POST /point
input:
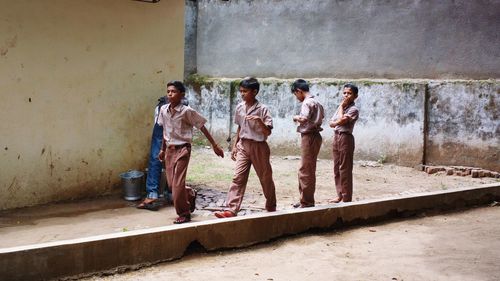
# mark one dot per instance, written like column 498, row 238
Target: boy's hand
column 219, row 151
column 300, row 119
column 253, row 117
column 346, row 101
column 333, row 124
column 233, row 154
column 161, row 156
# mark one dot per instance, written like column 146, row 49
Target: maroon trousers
column 310, row 145
column 256, row 154
column 343, row 151
column 176, row 165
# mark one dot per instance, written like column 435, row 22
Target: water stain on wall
column 9, row 43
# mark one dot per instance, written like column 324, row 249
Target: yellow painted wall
column 79, row 81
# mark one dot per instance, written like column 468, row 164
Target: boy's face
column 299, row 94
column 349, row 96
column 174, row 95
column 248, row 95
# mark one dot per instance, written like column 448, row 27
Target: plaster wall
column 393, row 39
column 464, row 124
column 79, row 82
column 459, row 127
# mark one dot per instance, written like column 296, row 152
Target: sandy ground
column 212, row 177
column 371, row 180
column 452, row 246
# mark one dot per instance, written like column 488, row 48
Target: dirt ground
column 451, row 246
column 371, row 179
column 211, row 176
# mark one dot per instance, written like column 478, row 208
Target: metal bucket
column 133, row 184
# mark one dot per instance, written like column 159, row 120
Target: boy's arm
column 215, row 147
column 304, row 115
column 235, row 148
column 161, row 155
column 265, row 129
column 344, row 118
column 300, row 119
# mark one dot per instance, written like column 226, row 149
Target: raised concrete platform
column 144, row 247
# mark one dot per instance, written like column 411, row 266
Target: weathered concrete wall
column 79, row 82
column 392, row 119
column 464, row 124
column 349, row 39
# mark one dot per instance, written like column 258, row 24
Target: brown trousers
column 176, row 165
column 310, row 145
column 256, row 154
column 343, row 151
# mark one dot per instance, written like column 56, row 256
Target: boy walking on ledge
column 310, row 120
column 178, row 121
column 250, row 148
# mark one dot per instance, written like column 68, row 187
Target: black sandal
column 153, row 206
column 143, row 204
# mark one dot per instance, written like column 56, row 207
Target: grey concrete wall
column 349, row 39
column 461, row 120
column 190, row 25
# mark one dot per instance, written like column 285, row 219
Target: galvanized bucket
column 133, row 184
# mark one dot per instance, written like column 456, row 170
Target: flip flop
column 143, row 204
column 153, row 206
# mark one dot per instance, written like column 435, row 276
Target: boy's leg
column 154, row 166
column 259, row 155
column 346, row 165
column 336, row 165
column 310, row 145
column 177, row 164
column 240, row 179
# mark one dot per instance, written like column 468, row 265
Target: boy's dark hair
column 250, row 83
column 353, row 88
column 300, row 84
column 178, row 85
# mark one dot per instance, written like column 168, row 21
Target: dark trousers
column 343, row 151
column 310, row 145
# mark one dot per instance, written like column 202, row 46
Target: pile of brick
column 461, row 171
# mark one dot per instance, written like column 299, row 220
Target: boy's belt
column 342, row 133
column 251, row 140
column 179, row 146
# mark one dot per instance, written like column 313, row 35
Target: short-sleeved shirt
column 249, row 129
column 313, row 111
column 178, row 123
column 353, row 113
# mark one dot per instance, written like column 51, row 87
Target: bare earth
column 211, row 176
column 453, row 246
column 371, row 180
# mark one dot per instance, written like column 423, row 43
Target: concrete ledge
column 144, row 247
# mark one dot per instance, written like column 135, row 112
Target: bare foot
column 336, row 200
column 146, row 201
